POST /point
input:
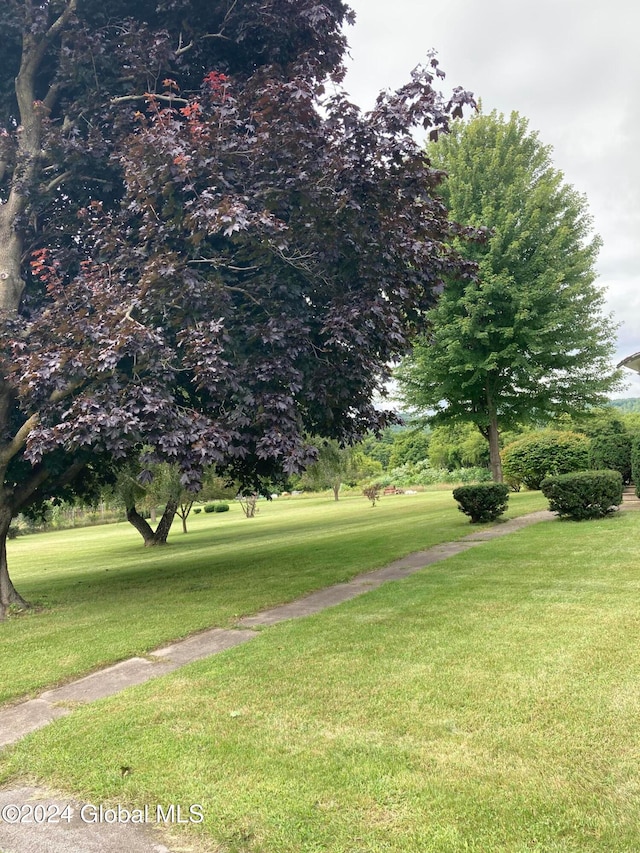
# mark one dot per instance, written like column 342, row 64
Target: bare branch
column 215, row 36
column 219, row 265
column 183, row 48
column 55, row 182
column 61, row 22
column 219, row 35
column 165, row 99
column 131, row 319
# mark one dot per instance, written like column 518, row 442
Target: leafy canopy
column 527, row 337
column 210, row 264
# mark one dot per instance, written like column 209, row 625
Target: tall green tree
column 526, row 338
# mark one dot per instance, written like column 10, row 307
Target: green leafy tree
column 410, row 445
column 163, row 487
column 526, row 338
column 612, row 451
column 456, row 446
column 596, row 422
column 336, row 465
column 380, row 447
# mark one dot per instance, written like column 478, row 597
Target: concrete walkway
column 16, row 721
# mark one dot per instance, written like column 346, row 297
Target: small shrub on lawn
column 197, row 509
column 540, row 454
column 372, row 492
column 483, row 501
column 210, row 508
column 222, row 508
column 583, row 494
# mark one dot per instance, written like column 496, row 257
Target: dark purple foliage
column 218, row 259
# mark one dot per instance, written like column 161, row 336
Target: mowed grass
column 489, row 703
column 103, row 597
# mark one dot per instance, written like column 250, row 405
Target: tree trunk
column 183, row 511
column 494, row 449
column 492, row 435
column 336, row 490
column 151, row 537
column 9, row 596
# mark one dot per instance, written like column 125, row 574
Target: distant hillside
column 627, row 404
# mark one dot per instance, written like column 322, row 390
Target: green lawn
column 489, row 703
column 105, row 598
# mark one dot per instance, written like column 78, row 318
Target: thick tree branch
column 24, row 495
column 55, row 182
column 18, row 441
column 61, row 393
column 28, row 487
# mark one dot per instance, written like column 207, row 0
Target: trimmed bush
column 635, row 463
column 222, row 508
column 197, row 509
column 540, row 454
column 483, row 501
column 210, row 508
column 583, row 494
column 612, row 452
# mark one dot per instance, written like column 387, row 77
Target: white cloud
column 571, row 67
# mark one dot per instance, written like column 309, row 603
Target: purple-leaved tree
column 195, row 258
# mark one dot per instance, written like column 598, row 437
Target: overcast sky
column 572, row 67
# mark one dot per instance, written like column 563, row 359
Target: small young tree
column 248, row 503
column 336, row 465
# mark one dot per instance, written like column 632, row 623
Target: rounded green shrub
column 210, row 508
column 482, row 501
column 583, row 494
column 533, row 457
column 223, row 507
column 197, row 509
column 611, row 451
